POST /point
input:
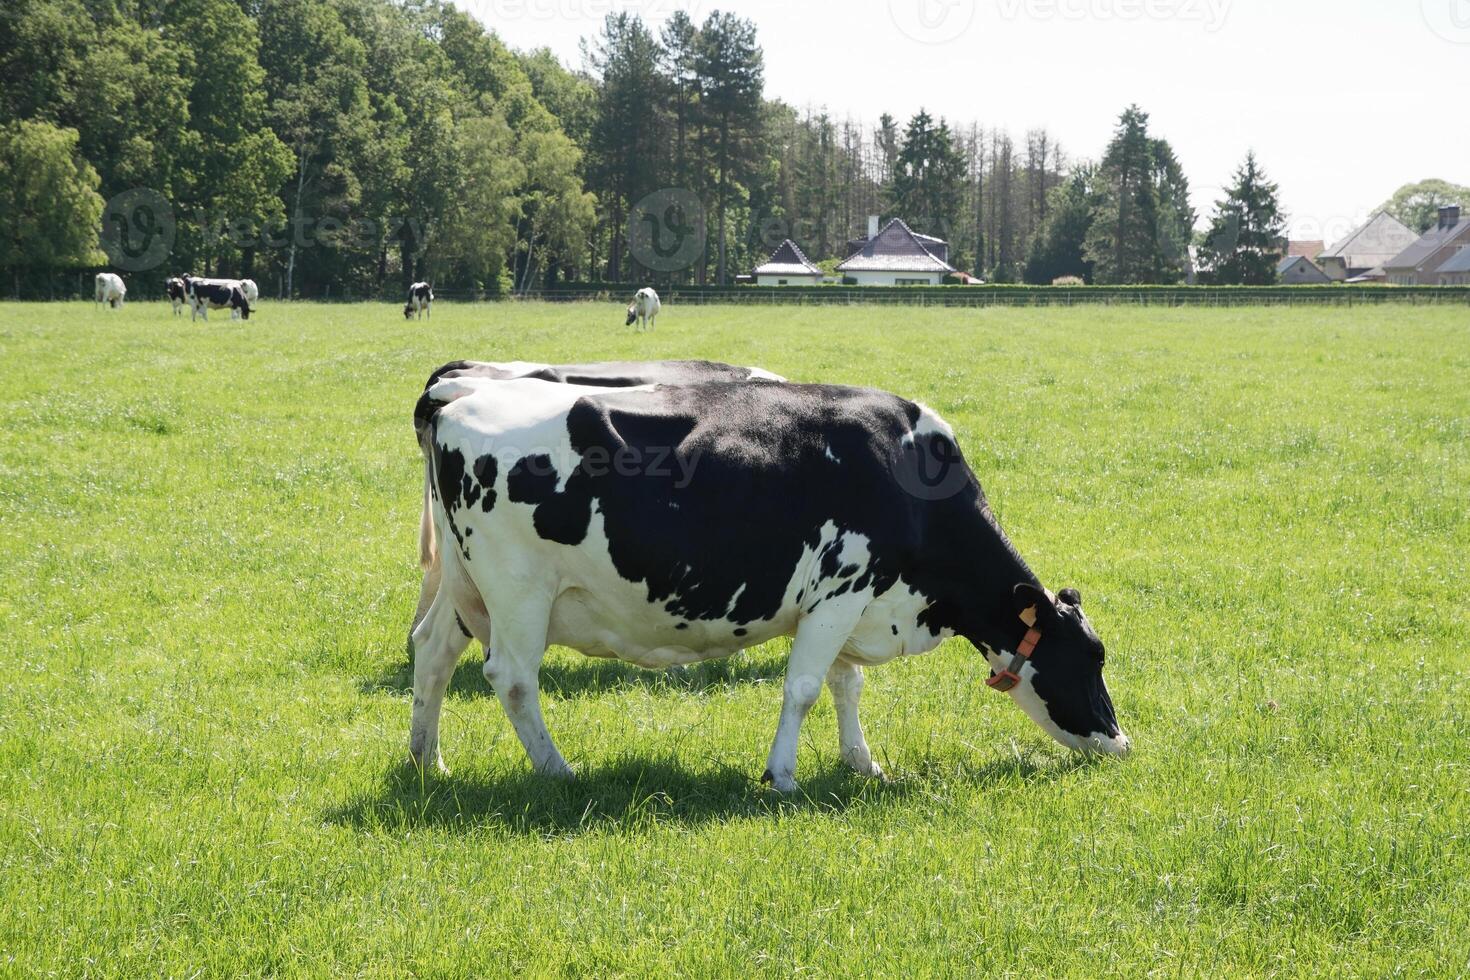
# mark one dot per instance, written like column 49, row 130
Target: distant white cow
column 420, row 300
column 644, row 308
column 252, row 294
column 110, row 290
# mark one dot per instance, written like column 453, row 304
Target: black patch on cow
column 561, row 517
column 485, row 470
column 741, row 631
column 450, row 481
column 894, row 627
column 532, row 480
column 463, row 628
column 682, row 626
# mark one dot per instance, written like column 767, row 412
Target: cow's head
column 408, row 311
column 632, row 313
column 1058, row 681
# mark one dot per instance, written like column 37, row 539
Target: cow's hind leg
column 845, row 680
column 819, row 638
column 513, row 668
column 438, row 643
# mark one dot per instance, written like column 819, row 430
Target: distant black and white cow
column 215, row 294
column 673, row 524
column 605, row 374
column 420, row 300
column 110, row 289
column 175, row 288
column 644, row 308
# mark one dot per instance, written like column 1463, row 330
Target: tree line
column 348, row 147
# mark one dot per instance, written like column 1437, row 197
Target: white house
column 787, row 266
column 1366, row 248
column 896, row 256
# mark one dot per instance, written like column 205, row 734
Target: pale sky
column 1343, row 100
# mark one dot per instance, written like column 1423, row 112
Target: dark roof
column 895, row 249
column 788, row 260
column 1432, row 241
column 1459, row 262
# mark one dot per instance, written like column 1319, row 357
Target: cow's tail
column 427, row 545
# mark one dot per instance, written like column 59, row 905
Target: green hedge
column 1009, row 295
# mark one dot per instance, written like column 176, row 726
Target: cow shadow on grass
column 566, row 674
column 639, row 794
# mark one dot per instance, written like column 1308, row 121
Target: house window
column 781, row 282
column 911, row 282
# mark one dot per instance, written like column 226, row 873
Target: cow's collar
column 1006, row 679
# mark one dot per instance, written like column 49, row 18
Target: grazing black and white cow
column 215, row 294
column 644, row 308
column 672, row 524
column 605, row 374
column 420, row 300
column 110, row 289
column 175, row 288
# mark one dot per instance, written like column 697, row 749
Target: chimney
column 1449, row 216
column 873, row 226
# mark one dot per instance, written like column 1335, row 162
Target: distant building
column 787, row 266
column 1456, row 272
column 1368, row 247
column 1298, row 270
column 896, row 256
column 1419, row 264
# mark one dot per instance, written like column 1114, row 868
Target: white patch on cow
column 827, row 449
column 760, row 374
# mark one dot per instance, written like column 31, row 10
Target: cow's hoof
column 563, row 772
column 427, row 765
column 781, row 784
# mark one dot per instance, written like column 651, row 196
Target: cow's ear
column 1028, row 596
column 1070, row 597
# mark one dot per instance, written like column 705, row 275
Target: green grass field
column 208, row 562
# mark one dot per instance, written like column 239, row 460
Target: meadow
column 208, row 564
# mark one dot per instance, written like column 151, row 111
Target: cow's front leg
column 513, row 669
column 437, row 645
column 846, row 683
column 819, row 638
